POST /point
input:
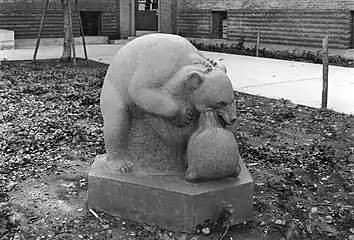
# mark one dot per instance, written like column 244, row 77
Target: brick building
column 282, row 23
column 292, row 22
column 113, row 18
column 24, row 16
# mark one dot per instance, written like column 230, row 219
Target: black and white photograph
column 177, row 119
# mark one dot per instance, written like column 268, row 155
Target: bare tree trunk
column 40, row 30
column 67, row 31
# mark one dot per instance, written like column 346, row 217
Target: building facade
column 287, row 23
column 117, row 19
column 295, row 22
column 24, row 17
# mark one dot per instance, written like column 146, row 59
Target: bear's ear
column 194, row 80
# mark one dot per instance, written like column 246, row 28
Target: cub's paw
column 191, row 176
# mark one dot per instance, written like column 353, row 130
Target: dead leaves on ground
column 305, row 157
column 300, row 157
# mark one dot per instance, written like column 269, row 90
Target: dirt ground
column 301, row 159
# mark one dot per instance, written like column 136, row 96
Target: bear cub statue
column 212, row 151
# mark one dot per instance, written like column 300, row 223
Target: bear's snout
column 227, row 114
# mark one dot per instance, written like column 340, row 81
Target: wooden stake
column 72, row 32
column 81, row 28
column 40, row 30
column 258, row 42
column 325, row 72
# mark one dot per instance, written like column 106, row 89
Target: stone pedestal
column 166, row 199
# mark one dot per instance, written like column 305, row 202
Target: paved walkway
column 299, row 82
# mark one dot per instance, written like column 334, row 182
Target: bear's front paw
column 188, row 115
column 127, row 167
column 217, row 64
column 212, row 62
column 184, row 116
column 120, row 166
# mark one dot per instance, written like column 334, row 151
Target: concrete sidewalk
column 299, row 82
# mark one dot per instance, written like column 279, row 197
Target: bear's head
column 213, row 89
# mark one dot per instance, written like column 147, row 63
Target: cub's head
column 213, row 89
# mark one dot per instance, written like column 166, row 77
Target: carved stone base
column 167, row 200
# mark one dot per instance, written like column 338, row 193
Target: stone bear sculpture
column 165, row 76
column 212, row 151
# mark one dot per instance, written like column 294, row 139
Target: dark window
column 151, row 5
column 219, row 27
column 147, row 5
column 91, row 23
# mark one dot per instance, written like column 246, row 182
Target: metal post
column 325, row 72
column 81, row 28
column 258, row 42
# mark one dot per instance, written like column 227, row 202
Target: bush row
column 305, row 56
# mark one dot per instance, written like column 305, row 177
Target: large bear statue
column 163, row 80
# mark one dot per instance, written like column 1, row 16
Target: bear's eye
column 222, row 103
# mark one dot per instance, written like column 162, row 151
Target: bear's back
column 153, row 57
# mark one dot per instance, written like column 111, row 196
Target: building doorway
column 91, row 22
column 146, row 17
column 219, row 26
